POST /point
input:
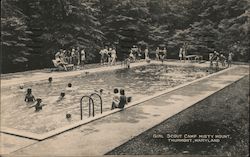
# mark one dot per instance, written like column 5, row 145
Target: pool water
column 137, row 82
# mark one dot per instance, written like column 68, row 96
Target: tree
column 124, row 23
column 14, row 38
column 33, row 31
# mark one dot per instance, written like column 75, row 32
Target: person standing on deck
column 83, row 57
column 180, row 53
column 230, row 59
column 69, row 58
column 78, row 56
column 102, row 53
column 157, row 51
column 139, row 54
column 184, row 51
column 165, row 52
column 113, row 56
column 132, row 56
column 106, row 54
column 161, row 55
column 109, row 56
column 134, row 50
column 73, row 56
column 211, row 55
column 217, row 58
column 222, row 60
column 146, row 54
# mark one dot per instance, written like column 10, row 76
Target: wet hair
column 21, row 86
column 50, row 79
column 101, row 90
column 39, row 100
column 62, row 94
column 116, row 90
column 122, row 91
column 69, row 85
column 29, row 91
column 68, row 116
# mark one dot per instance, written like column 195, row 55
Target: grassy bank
column 223, row 113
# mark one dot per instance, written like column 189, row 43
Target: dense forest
column 33, row 30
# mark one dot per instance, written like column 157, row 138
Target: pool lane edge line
column 40, row 137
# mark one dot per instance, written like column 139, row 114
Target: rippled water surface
column 138, row 82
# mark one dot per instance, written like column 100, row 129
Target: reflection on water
column 137, row 82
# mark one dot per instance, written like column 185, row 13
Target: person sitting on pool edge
column 115, row 100
column 29, row 97
column 123, row 99
column 38, row 106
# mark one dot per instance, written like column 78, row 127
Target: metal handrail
column 90, row 101
column 99, row 97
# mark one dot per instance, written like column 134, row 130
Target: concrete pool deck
column 105, row 134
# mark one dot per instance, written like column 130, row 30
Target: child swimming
column 21, row 88
column 61, row 97
column 29, row 97
column 38, row 106
column 50, row 79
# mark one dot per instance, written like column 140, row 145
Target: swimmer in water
column 100, row 91
column 39, row 105
column 70, row 88
column 61, row 97
column 29, row 97
column 21, row 88
column 50, row 79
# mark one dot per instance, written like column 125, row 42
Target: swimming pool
column 138, row 82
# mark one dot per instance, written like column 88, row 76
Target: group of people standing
column 137, row 53
column 220, row 57
column 108, row 55
column 75, row 56
column 160, row 53
column 183, row 52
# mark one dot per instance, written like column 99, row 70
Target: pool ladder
column 91, row 102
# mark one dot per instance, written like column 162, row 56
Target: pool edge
column 40, row 137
